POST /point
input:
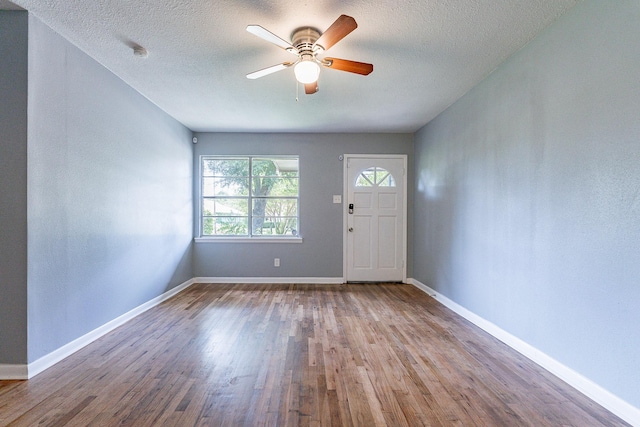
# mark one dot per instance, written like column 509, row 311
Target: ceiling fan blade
column 349, row 66
column 269, row 70
column 267, row 35
column 336, row 32
column 311, row 88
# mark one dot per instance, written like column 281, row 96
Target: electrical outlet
column 276, row 262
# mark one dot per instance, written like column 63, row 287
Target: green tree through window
column 249, row 196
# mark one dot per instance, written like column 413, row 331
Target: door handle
column 350, row 229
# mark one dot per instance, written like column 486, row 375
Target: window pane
column 370, row 174
column 262, row 186
column 375, row 177
column 208, row 226
column 225, row 226
column 226, row 167
column 230, row 186
column 208, row 187
column 263, row 167
column 275, row 226
column 275, row 187
column 227, row 207
column 387, row 181
column 276, row 207
column 363, row 181
column 275, row 216
column 275, row 166
column 275, row 177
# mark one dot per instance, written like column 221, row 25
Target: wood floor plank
column 297, row 355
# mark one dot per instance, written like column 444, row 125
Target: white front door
column 375, row 218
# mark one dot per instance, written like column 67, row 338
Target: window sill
column 248, row 239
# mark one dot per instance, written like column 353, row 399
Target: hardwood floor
column 289, row 355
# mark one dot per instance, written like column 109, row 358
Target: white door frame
column 345, row 208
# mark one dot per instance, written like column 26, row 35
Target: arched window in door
column 375, row 177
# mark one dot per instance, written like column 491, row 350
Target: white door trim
column 345, row 206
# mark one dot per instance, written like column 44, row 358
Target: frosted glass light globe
column 307, row 71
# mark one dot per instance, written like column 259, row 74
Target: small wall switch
column 337, row 198
column 276, row 262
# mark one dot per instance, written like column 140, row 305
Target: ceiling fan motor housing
column 303, row 39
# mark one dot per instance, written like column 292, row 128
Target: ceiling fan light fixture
column 307, row 71
column 307, row 43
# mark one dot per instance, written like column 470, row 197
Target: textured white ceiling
column 7, row 5
column 426, row 54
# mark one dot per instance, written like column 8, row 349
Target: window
column 375, row 177
column 249, row 196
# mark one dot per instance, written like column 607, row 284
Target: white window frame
column 245, row 238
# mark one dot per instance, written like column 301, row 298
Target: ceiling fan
column 307, row 43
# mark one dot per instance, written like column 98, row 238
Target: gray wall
column 527, row 201
column 320, row 255
column 13, row 187
column 109, row 195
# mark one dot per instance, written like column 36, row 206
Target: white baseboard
column 604, row 398
column 263, row 280
column 13, row 372
column 24, row 372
